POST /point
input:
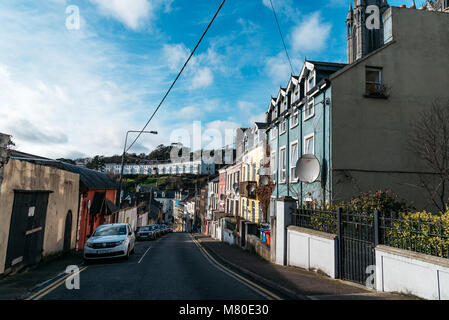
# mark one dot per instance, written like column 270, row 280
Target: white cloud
column 311, row 35
column 133, row 14
column 202, row 78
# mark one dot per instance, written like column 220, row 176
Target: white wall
column 311, row 250
column 413, row 273
column 128, row 213
column 228, row 237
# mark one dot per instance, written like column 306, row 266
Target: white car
column 110, row 241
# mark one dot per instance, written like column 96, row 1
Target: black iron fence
column 319, row 220
column 418, row 232
column 421, row 233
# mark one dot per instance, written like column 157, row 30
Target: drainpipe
column 324, row 147
column 287, row 155
column 301, row 121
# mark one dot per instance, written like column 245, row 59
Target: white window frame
column 282, row 170
column 306, row 107
column 311, row 76
column 283, row 124
column 308, row 137
column 274, row 133
column 294, row 124
column 273, row 165
column 293, row 163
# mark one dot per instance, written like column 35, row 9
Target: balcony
column 248, row 189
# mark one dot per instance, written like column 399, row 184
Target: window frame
column 293, row 165
column 308, row 137
column 282, row 179
column 283, row 124
column 306, row 107
column 295, row 114
column 380, row 74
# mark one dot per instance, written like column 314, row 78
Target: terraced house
column 299, row 120
column 252, row 160
column 356, row 118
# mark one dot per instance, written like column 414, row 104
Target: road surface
column 173, row 267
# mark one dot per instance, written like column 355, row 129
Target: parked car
column 110, row 241
column 156, row 230
column 164, row 229
column 145, row 233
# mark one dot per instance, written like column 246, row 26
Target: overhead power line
column 282, row 37
column 177, row 77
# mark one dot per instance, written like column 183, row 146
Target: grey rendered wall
column 370, row 136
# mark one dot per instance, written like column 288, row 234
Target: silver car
column 110, row 241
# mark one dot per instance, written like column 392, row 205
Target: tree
column 5, row 148
column 429, row 141
column 97, row 163
column 161, row 153
column 69, row 161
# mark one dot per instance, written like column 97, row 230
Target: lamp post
column 119, row 195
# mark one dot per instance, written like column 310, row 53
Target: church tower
column 363, row 39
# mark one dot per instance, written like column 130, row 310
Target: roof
column 261, row 125
column 91, row 179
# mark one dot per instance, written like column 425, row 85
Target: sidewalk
column 294, row 282
column 15, row 286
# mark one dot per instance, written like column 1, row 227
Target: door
column 68, row 231
column 27, row 228
column 356, row 240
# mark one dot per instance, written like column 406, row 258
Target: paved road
column 170, row 268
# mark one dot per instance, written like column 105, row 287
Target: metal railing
column 428, row 235
column 315, row 219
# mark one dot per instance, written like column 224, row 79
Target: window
column 283, row 128
column 294, row 120
column 282, row 165
column 309, row 144
column 254, row 172
column 373, row 81
column 311, row 82
column 293, row 160
column 273, row 133
column 273, row 166
column 309, row 110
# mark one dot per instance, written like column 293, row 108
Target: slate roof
column 91, row 179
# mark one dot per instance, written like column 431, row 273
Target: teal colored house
column 299, row 123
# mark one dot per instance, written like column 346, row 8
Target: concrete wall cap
column 321, row 234
column 443, row 262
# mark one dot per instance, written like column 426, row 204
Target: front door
column 27, row 228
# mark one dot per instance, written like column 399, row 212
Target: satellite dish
column 308, row 168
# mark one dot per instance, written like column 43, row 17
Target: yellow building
column 252, row 160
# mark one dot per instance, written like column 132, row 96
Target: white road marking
column 256, row 288
column 144, row 255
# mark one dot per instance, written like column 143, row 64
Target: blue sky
column 74, row 93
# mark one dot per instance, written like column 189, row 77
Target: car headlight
column 90, row 245
column 119, row 243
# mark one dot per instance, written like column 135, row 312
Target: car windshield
column 145, row 229
column 110, row 231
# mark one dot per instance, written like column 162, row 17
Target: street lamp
column 119, row 195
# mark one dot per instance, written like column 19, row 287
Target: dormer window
column 311, row 82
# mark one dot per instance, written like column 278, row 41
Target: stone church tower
column 361, row 39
